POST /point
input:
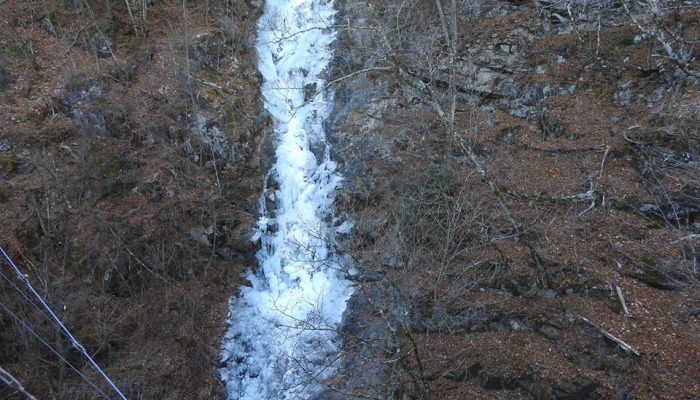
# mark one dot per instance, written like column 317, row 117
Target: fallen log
column 626, row 347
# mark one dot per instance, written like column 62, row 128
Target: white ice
column 281, row 342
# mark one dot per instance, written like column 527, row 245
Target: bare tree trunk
column 450, row 35
column 144, row 13
column 131, row 16
column 453, row 73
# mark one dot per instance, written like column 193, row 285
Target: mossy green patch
column 211, row 95
column 78, row 258
column 230, row 113
column 121, row 187
column 13, row 51
column 615, row 305
column 627, row 40
column 30, row 234
column 654, row 225
column 8, row 163
column 109, row 166
column 5, row 193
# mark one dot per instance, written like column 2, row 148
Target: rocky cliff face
column 571, row 110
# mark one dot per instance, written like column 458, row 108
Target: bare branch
column 13, row 383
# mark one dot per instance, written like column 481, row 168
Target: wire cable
column 31, row 330
column 60, row 325
column 26, row 298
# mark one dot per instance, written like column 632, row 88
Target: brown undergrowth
column 473, row 314
column 123, row 210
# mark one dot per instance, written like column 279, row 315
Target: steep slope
column 131, row 162
column 578, row 240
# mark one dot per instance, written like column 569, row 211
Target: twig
column 677, row 56
column 564, row 149
column 689, row 237
column 634, row 142
column 618, row 291
column 223, row 93
column 213, row 86
column 626, row 347
column 128, row 250
column 77, row 35
column 621, row 300
column 355, row 73
column 573, row 21
column 592, row 193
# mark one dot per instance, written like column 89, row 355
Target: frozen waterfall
column 281, row 342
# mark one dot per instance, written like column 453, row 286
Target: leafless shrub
column 667, row 23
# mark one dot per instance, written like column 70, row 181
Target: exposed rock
column 227, row 26
column 365, row 277
column 6, row 79
column 546, row 294
column 508, row 135
column 331, row 394
column 682, row 207
column 624, row 394
column 490, row 76
column 225, row 253
column 5, row 192
column 501, row 382
column 101, row 44
column 528, row 100
column 210, row 49
column 47, row 25
column 623, row 95
column 581, row 388
column 393, row 262
column 549, row 331
column 425, row 319
column 8, row 164
column 490, row 68
column 654, row 277
column 202, row 234
column 371, row 229
column 587, row 360
column 695, row 227
column 309, row 91
column 216, row 141
column 365, row 339
column 90, row 105
column 567, row 16
column 125, row 73
column 358, row 105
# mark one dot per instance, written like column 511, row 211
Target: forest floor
column 129, row 158
column 593, row 143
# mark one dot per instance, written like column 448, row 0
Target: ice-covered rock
column 281, row 342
